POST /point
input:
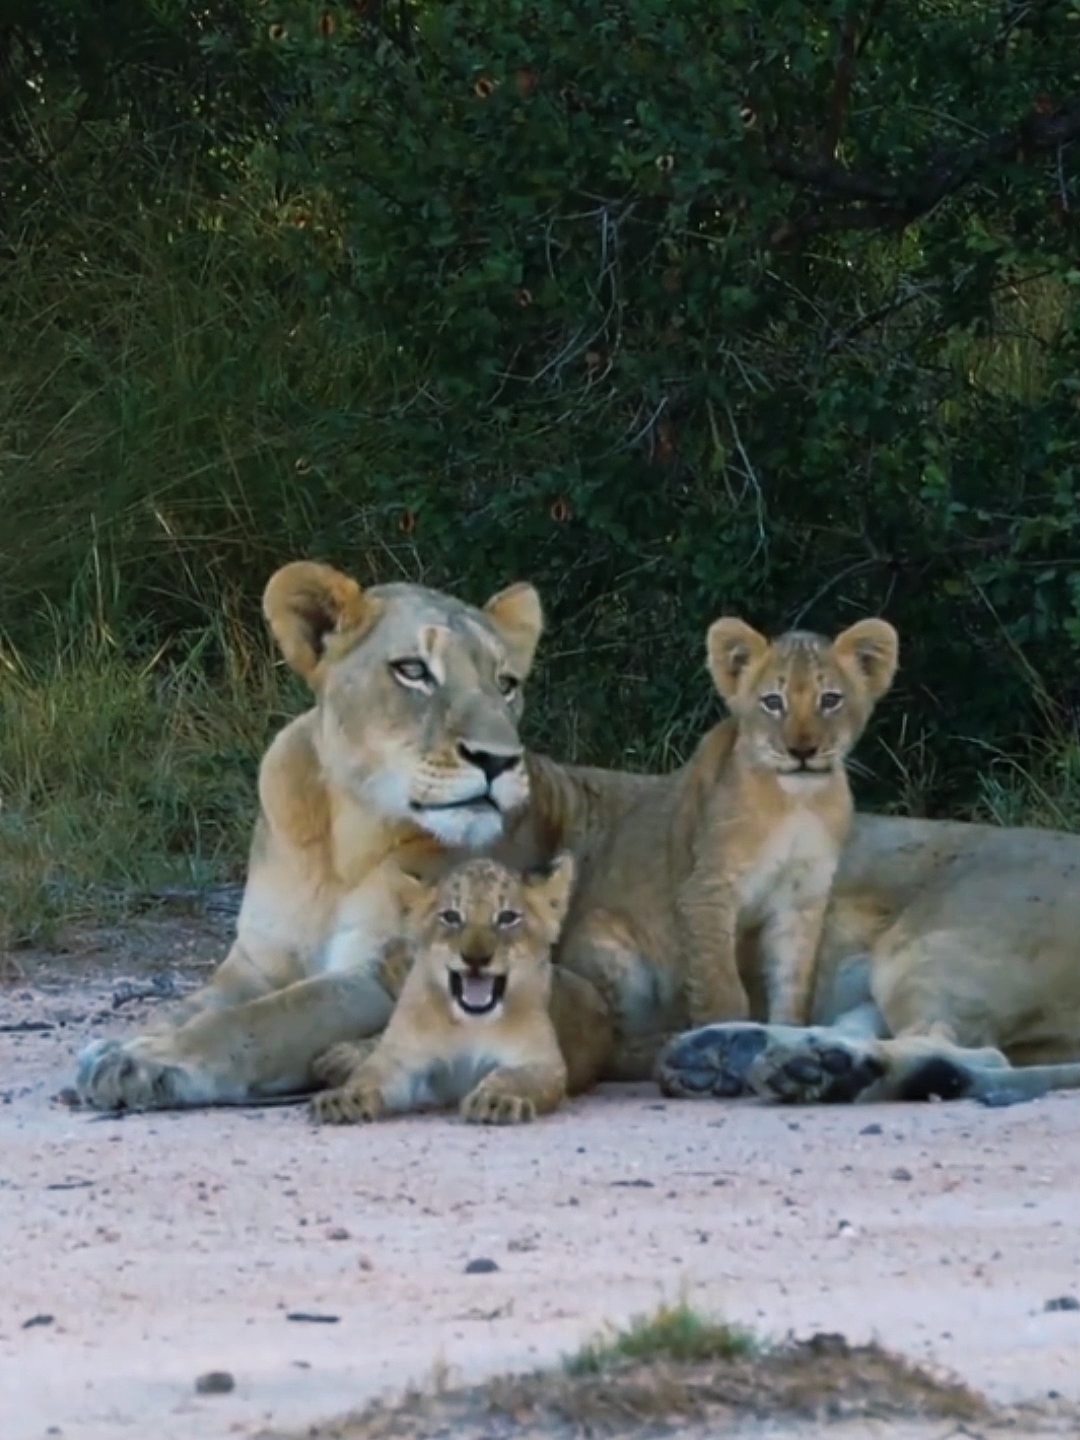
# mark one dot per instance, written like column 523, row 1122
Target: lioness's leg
column 222, row 1056
column 638, row 1006
column 583, row 1027
column 512, row 1095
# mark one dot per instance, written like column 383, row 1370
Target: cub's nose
column 493, row 765
column 803, row 752
column 477, row 960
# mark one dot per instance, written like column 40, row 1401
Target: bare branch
column 888, row 202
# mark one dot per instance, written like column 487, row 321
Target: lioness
column 410, row 760
column 776, row 820
column 476, row 1021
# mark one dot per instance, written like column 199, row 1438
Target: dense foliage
column 675, row 307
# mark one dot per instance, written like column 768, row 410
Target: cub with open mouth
column 482, row 1019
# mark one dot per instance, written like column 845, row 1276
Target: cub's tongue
column 477, row 990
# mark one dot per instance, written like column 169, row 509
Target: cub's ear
column 732, row 646
column 873, row 648
column 412, row 895
column 304, row 603
column 517, row 616
column 548, row 892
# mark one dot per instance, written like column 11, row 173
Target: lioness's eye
column 508, row 684
column 773, row 703
column 830, row 700
column 451, row 918
column 507, row 919
column 412, row 672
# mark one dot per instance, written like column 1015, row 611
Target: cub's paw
column 497, row 1107
column 712, row 1060
column 336, row 1066
column 352, row 1104
column 815, row 1067
column 136, row 1074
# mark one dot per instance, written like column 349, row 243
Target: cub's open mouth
column 477, row 994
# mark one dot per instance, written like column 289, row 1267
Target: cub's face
column 801, row 701
column 483, row 935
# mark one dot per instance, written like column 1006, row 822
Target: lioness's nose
column 486, row 760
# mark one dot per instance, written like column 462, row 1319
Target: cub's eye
column 508, row 685
column 452, row 919
column 830, row 701
column 773, row 703
column 411, row 672
column 507, row 919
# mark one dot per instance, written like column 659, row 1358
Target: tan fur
column 776, row 820
column 482, row 926
column 969, row 928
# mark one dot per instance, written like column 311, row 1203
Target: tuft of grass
column 121, row 773
column 1044, row 791
column 672, row 1332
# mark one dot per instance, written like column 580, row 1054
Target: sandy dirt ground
column 325, row 1268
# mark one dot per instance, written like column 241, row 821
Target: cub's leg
column 368, row 1092
column 336, row 1066
column 512, row 1095
column 225, row 1056
column 790, row 939
column 708, row 911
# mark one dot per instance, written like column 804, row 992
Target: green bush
column 675, row 308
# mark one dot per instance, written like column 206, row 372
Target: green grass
column 672, row 1332
column 119, row 775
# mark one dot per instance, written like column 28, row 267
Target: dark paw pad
column 712, row 1060
column 937, row 1078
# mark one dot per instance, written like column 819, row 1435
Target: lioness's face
column 801, row 701
column 483, row 936
column 418, row 696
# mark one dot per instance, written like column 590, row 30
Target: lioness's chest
column 366, row 920
column 793, row 864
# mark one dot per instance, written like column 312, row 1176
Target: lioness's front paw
column 497, row 1107
column 347, row 1105
column 136, row 1074
column 808, row 1067
column 336, row 1066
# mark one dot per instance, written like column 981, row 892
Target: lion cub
column 473, row 1023
column 780, row 812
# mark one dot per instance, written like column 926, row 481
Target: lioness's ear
column 516, row 614
column 732, row 645
column 873, row 646
column 548, row 891
column 304, row 602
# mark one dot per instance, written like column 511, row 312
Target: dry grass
column 675, row 1367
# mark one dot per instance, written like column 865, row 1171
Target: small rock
column 870, row 1130
column 338, row 1232
column 480, row 1266
column 900, row 1174
column 215, row 1382
column 1060, row 1302
column 37, row 1320
column 364, row 1262
column 634, row 1184
column 309, row 1317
